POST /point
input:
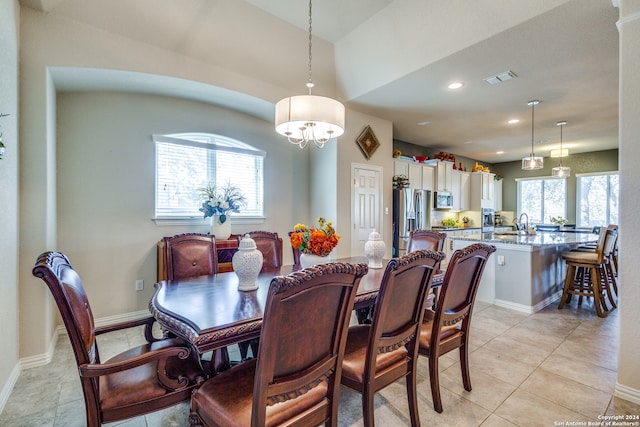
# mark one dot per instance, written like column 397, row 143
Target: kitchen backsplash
column 474, row 217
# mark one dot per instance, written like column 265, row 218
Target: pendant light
column 532, row 162
column 309, row 118
column 561, row 171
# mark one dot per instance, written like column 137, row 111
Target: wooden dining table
column 210, row 312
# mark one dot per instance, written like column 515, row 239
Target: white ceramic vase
column 374, row 249
column 309, row 260
column 221, row 230
column 247, row 263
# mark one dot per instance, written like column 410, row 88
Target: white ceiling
column 564, row 54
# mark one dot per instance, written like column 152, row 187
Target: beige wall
column 106, row 181
column 628, row 366
column 9, row 184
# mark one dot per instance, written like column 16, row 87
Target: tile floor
column 552, row 367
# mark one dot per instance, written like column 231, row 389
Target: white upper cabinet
column 401, row 167
column 482, row 191
column 427, row 178
column 443, row 175
column 498, row 195
column 460, row 190
column 415, row 175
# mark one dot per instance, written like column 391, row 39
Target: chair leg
column 568, row 283
column 412, row 395
column 435, row 382
column 464, row 366
column 598, row 302
column 367, row 406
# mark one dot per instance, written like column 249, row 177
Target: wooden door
column 367, row 205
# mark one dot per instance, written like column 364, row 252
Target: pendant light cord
column 310, row 81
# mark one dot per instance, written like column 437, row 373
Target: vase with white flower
column 218, row 203
column 315, row 243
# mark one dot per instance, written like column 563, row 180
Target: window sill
column 199, row 221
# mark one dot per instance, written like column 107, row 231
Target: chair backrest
column 68, row 292
column 399, row 307
column 606, row 243
column 426, row 240
column 303, row 334
column 460, row 286
column 269, row 244
column 296, row 253
column 545, row 227
column 190, row 255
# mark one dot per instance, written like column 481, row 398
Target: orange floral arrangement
column 315, row 240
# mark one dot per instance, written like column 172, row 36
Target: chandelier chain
column 310, row 82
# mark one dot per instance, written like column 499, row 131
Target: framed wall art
column 367, row 142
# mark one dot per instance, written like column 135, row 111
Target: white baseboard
column 529, row 309
column 627, row 393
column 8, row 386
column 43, row 359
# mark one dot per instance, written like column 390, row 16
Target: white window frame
column 215, row 143
column 539, row 178
column 579, row 194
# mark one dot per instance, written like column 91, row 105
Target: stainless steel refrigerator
column 411, row 211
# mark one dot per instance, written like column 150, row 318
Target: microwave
column 443, row 200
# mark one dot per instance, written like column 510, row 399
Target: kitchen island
column 526, row 273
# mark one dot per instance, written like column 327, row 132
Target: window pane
column 542, row 199
column 554, row 199
column 598, row 200
column 182, row 168
column 531, row 200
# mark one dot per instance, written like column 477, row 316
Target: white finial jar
column 247, row 263
column 374, row 249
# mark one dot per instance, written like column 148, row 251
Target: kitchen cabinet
column 401, row 167
column 482, row 191
column 443, row 175
column 415, row 175
column 498, row 195
column 420, row 175
column 461, row 189
column 427, row 178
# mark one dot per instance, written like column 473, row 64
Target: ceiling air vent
column 499, row 78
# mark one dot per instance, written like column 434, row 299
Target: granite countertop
column 539, row 239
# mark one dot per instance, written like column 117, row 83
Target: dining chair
column 427, row 240
column 296, row 253
column 296, row 377
column 270, row 245
column 381, row 353
column 143, row 379
column 190, row 255
column 447, row 328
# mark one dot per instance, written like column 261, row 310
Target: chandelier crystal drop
column 532, row 162
column 309, row 118
column 561, row 171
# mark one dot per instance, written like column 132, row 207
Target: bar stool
column 587, row 273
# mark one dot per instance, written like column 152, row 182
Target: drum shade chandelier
column 561, row 171
column 532, row 162
column 306, row 118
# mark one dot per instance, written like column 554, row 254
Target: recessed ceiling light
column 456, row 85
column 499, row 152
column 513, row 121
column 468, row 142
column 423, row 123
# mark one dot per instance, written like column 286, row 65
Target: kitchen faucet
column 526, row 223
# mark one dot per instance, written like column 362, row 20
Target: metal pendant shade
column 309, row 118
column 532, row 162
column 561, row 171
